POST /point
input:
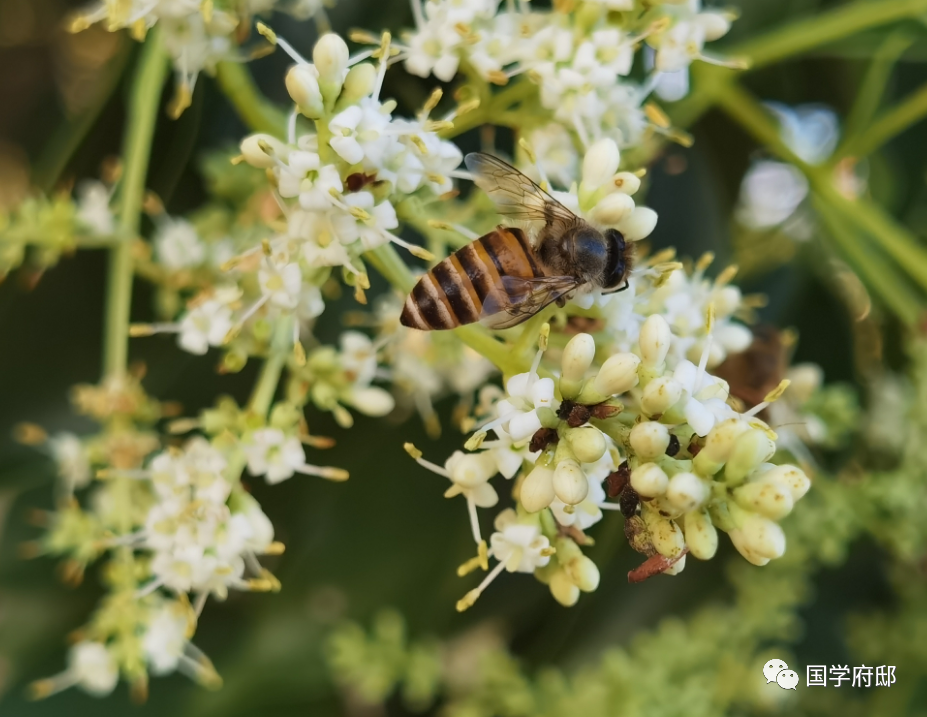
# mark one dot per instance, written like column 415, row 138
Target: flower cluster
column 660, row 433
column 581, row 60
column 196, row 34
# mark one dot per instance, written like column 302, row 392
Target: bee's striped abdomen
column 454, row 291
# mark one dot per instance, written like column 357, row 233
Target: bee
column 756, row 371
column 502, row 278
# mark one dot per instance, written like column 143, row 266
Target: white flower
column 72, row 460
column 358, row 357
column 165, row 638
column 771, row 193
column 526, row 393
column 357, row 133
column 520, row 546
column 705, row 397
column 93, row 209
column 281, row 282
column 372, row 225
column 470, row 474
column 271, row 454
column 177, row 245
column 206, row 324
column 92, row 667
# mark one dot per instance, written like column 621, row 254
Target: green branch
column 889, row 124
column 146, row 87
column 796, row 37
column 255, row 110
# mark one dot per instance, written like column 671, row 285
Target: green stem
column 800, row 36
column 892, row 122
column 255, row 111
column 266, row 387
column 491, row 110
column 896, row 241
column 146, row 87
column 892, row 289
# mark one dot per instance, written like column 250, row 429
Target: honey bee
column 502, row 278
column 753, row 373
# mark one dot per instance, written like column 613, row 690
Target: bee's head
column 619, row 259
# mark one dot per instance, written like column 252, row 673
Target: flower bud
column 701, row 535
column 750, row 450
column 612, row 209
column 358, row 83
column 302, row 82
column 727, row 300
column 737, row 538
column 254, row 149
column 372, row 401
column 583, row 573
column 588, row 443
column 714, row 24
column 718, row 445
column 660, row 394
column 686, row 491
column 666, row 536
column 638, row 224
column 806, row 378
column 732, row 338
column 626, row 183
column 330, row 55
column 676, row 567
column 771, row 499
column 537, row 490
column 791, row 477
column 617, row 375
column 649, row 480
column 570, row 484
column 523, row 425
column 577, row 358
column 649, row 439
column 655, row 340
column 600, row 163
column 762, row 536
column 563, row 589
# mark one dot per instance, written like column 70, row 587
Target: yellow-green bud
column 583, row 573
column 686, row 492
column 649, row 480
column 762, row 536
column 588, row 443
column 649, row 439
column 358, row 83
column 718, row 445
column 537, row 490
column 701, row 535
column 612, row 209
column 666, row 536
column 563, row 589
column 626, row 182
column 302, row 82
column 660, row 394
column 577, row 358
column 617, row 375
column 331, row 56
column 769, row 498
column 750, row 450
column 638, row 224
column 655, row 339
column 254, row 148
column 791, row 477
column 570, row 483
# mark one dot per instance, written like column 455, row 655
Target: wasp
column 503, row 278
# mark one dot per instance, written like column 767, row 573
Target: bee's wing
column 520, row 298
column 517, row 196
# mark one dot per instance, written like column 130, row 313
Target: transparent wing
column 515, row 195
column 521, row 298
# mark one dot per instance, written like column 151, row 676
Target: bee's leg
column 561, row 302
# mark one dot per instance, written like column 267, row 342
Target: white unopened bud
column 701, row 535
column 639, row 224
column 739, row 541
column 583, row 573
column 537, row 490
column 617, row 375
column 791, row 477
column 718, row 445
column 626, row 183
column 655, row 339
column 806, row 378
column 359, row 83
column 762, row 536
column 733, row 338
column 676, row 567
column 649, row 439
column 577, row 358
column 649, row 480
column 588, row 444
column 263, row 151
column 563, row 589
column 714, row 24
column 570, row 483
column 600, row 163
column 373, row 401
column 660, row 394
column 750, row 450
column 686, row 491
column 665, row 535
column 302, row 82
column 612, row 209
column 331, row 57
column 771, row 499
column 727, row 300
